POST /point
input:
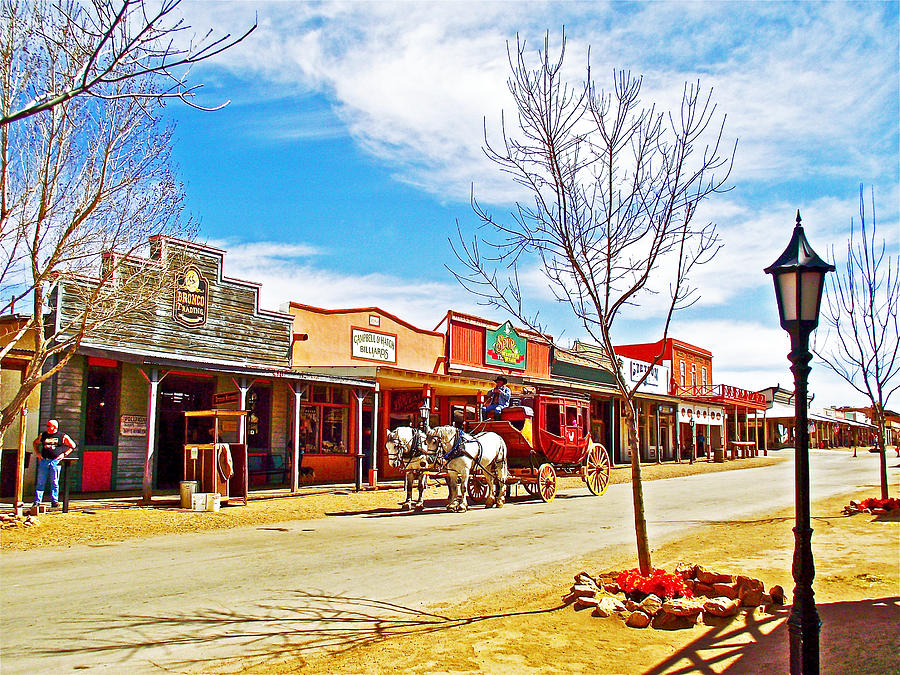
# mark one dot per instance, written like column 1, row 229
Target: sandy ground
column 105, row 520
column 527, row 629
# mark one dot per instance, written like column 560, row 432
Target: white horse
column 461, row 452
column 406, row 451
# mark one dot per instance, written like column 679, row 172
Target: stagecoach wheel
column 547, row 482
column 478, row 489
column 596, row 470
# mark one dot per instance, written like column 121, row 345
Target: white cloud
column 807, row 88
column 287, row 275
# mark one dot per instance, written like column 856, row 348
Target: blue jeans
column 491, row 411
column 47, row 467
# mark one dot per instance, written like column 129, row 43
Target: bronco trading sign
column 504, row 347
column 191, row 297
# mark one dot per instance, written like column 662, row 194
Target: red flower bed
column 660, row 583
column 888, row 504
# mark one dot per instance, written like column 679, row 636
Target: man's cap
column 502, row 379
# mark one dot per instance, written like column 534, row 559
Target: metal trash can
column 719, row 454
column 188, row 488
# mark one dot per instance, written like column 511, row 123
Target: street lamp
column 799, row 276
column 424, row 414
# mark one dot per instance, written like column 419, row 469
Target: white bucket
column 213, row 501
column 199, row 501
column 188, row 488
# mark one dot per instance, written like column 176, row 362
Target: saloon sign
column 191, row 297
column 504, row 347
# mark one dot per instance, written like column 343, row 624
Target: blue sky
column 338, row 172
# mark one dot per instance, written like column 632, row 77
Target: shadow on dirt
column 204, row 639
column 761, row 644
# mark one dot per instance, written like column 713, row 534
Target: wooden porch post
column 373, row 462
column 244, row 387
column 359, row 394
column 153, row 381
column 295, row 440
column 678, row 433
column 20, row 460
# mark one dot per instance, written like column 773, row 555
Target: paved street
column 169, row 603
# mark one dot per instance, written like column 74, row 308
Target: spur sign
column 504, row 347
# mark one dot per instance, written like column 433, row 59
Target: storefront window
column 101, row 409
column 309, row 428
column 325, row 426
column 334, row 429
column 259, row 413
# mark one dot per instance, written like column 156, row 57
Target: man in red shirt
column 50, row 447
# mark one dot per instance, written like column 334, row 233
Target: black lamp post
column 799, row 281
column 424, row 414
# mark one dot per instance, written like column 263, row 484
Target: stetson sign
column 504, row 347
column 191, row 297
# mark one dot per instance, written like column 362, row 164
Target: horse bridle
column 413, row 449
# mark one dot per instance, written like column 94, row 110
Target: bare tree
column 84, row 183
column 615, row 187
column 96, row 46
column 861, row 302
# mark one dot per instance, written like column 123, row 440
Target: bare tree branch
column 614, row 188
column 107, row 42
column 861, row 343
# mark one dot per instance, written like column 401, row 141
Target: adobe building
column 202, row 343
column 407, row 367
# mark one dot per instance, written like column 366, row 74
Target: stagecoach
column 547, row 436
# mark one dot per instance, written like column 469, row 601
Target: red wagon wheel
column 546, row 482
column 478, row 488
column 596, row 469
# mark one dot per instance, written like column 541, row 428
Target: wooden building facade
column 202, row 343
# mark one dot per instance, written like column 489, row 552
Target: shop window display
column 325, row 422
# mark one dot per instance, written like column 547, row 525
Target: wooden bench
column 267, row 467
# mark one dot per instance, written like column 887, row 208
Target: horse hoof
column 499, row 504
column 463, row 508
column 404, row 507
column 489, row 502
column 419, row 507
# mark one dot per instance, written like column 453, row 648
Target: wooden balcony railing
column 721, row 393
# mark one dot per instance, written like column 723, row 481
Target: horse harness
column 459, row 450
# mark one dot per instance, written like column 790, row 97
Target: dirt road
column 188, row 602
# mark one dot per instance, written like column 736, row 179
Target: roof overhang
column 174, row 361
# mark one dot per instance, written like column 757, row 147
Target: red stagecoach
column 547, row 435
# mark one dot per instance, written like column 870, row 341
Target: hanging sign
column 226, row 398
column 191, row 296
column 504, row 347
column 133, row 425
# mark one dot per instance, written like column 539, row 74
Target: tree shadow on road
column 209, row 639
column 856, row 636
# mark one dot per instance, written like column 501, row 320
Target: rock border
column 716, row 595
